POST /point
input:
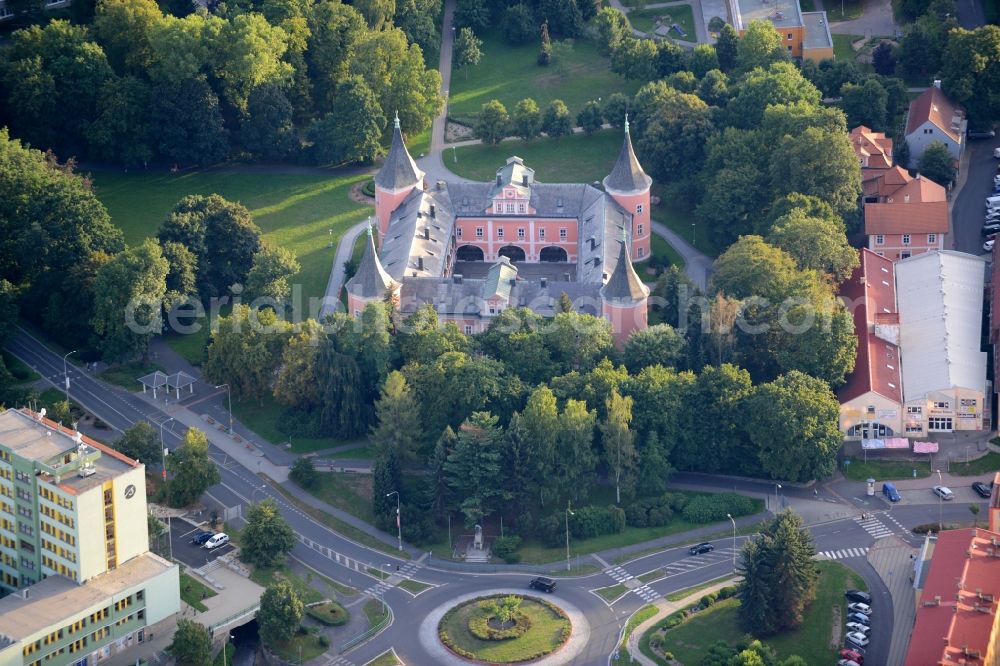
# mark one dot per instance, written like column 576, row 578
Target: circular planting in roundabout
column 504, row 629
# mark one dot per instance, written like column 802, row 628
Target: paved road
column 344, row 560
column 970, row 14
column 969, row 209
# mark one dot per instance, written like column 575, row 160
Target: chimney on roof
column 420, row 263
column 427, row 231
column 565, row 277
column 498, row 179
column 906, row 198
column 440, row 185
column 593, row 243
column 457, row 278
column 545, row 283
column 937, row 83
column 433, row 211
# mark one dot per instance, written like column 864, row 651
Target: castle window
column 520, row 233
column 932, row 238
column 479, row 232
column 641, row 252
column 638, row 209
column 521, row 209
column 562, row 234
column 879, row 239
column 639, row 229
column 458, row 231
column 541, row 234
column 906, row 239
column 468, row 329
column 510, row 208
column 500, row 233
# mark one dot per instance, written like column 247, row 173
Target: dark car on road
column 982, row 489
column 858, row 596
column 700, row 548
column 542, row 583
column 860, row 618
column 200, row 537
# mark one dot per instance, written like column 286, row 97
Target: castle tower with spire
column 371, row 282
column 624, row 297
column 629, row 185
column 398, row 177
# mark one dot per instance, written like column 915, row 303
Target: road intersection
column 846, row 538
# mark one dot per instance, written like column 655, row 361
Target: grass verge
column 346, row 491
column 414, row 586
column 329, row 613
column 301, row 648
column 637, row 618
column 742, row 531
column 510, row 73
column 650, row 576
column 611, row 592
column 193, row 592
column 375, row 611
column 686, row 592
column 842, row 49
column 885, row 470
column 387, row 658
column 127, row 375
column 546, row 631
column 225, row 657
column 342, row 528
column 988, row 463
column 18, row 368
column 303, row 586
column 263, row 418
column 682, row 15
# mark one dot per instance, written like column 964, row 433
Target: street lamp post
column 66, row 374
column 940, row 503
column 730, row 517
column 569, row 513
column 694, row 229
column 163, row 449
column 777, row 500
column 399, row 526
column 261, row 488
column 228, row 638
column 229, row 395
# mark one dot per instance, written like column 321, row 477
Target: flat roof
column 817, row 31
column 56, row 598
column 782, row 13
column 41, row 440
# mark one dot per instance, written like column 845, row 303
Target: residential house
column 919, row 367
column 957, row 620
column 904, row 216
column 805, row 35
column 7, row 13
column 934, row 117
column 874, row 151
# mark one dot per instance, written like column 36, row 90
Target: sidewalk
column 892, row 559
column 663, row 609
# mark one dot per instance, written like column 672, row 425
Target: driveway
column 968, row 211
column 184, row 551
column 876, row 21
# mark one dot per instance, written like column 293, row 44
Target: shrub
column 591, row 521
column 637, row 513
column 329, row 613
column 710, row 508
column 324, row 640
column 369, row 189
column 727, row 592
column 708, row 599
column 504, row 547
column 927, row 528
column 550, row 530
column 479, row 626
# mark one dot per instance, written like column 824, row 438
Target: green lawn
column 679, row 221
column 667, row 255
column 329, row 613
column 682, row 15
column 347, row 491
column 127, row 375
column 569, row 159
column 263, row 418
column 637, row 618
column 296, row 212
column 543, row 636
column 842, row 49
column 885, row 470
column 305, row 587
column 650, row 576
column 387, row 658
column 988, row 463
column 611, row 592
column 301, row 648
column 414, row 586
column 194, row 591
column 511, row 73
column 688, row 591
column 20, row 370
column 374, row 611
column 811, row 641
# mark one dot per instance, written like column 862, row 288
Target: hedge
column 712, row 508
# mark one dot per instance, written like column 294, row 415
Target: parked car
column 857, row 626
column 987, row 134
column 543, row 583
column 217, row 540
column 853, row 655
column 847, row 662
column 987, row 247
column 857, row 638
column 982, row 489
column 944, row 492
column 996, row 153
column 860, row 618
column 699, row 548
column 890, row 492
column 992, row 202
column 201, row 536
column 991, row 228
column 859, row 596
column 858, row 607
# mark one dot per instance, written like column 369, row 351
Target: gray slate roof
column 418, row 242
column 499, row 279
column 456, row 297
column 370, row 280
column 627, row 175
column 399, row 169
column 624, row 285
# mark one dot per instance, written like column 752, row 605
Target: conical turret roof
column 371, row 280
column 627, row 175
column 399, row 169
column 624, row 285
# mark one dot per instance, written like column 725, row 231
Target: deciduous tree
column 937, row 163
column 192, row 644
column 191, row 471
column 618, row 441
column 267, row 537
column 352, row 130
column 493, row 123
column 467, row 50
column 557, row 121
column 280, row 612
column 527, row 120
column 269, row 276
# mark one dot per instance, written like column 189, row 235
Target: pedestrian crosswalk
column 648, row 594
column 844, row 554
column 619, row 574
column 623, row 577
column 874, row 526
column 408, row 569
column 338, row 660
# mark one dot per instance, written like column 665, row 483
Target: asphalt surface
column 970, row 14
column 194, row 556
column 346, row 561
column 970, row 207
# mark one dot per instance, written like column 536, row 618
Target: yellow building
column 74, row 558
column 804, row 34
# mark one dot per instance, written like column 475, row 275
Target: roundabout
column 476, row 628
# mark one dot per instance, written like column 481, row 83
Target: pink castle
column 474, row 249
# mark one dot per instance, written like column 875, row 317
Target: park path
column 331, row 302
column 663, row 609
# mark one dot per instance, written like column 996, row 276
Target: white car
column 220, row 539
column 857, row 638
column 847, row 662
column 987, row 247
column 864, row 609
column 944, row 492
column 996, row 153
column 857, row 626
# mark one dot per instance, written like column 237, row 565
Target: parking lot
column 181, row 532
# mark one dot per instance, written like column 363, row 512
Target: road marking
column 874, row 527
column 843, row 554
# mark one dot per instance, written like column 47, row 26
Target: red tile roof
column 906, row 218
column 884, row 182
column 932, row 105
column 958, row 605
column 870, row 294
column 876, row 147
